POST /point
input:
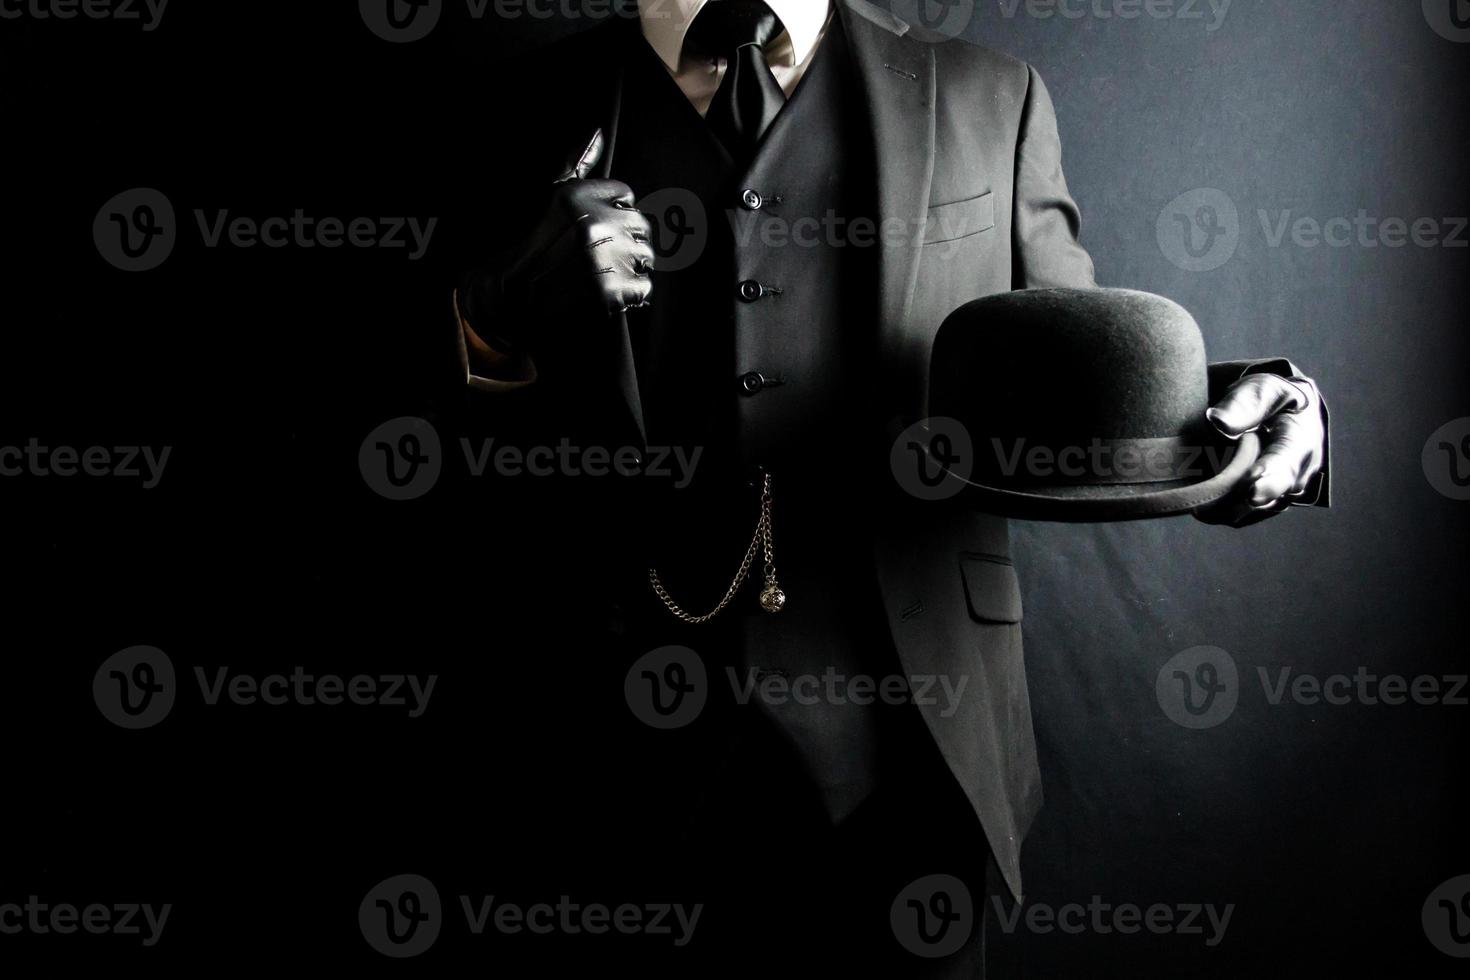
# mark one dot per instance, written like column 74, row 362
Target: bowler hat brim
column 1095, row 503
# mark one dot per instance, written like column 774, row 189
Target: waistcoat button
column 751, row 199
column 752, row 381
column 749, row 290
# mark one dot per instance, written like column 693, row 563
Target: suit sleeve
column 1047, row 252
column 1046, row 220
column 483, row 367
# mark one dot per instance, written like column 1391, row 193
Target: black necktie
column 748, row 97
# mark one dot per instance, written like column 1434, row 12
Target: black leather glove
column 589, row 254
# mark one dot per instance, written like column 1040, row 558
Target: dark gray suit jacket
column 966, row 147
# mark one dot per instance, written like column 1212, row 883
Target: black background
column 262, row 548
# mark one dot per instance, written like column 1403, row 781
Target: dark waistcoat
column 762, row 329
column 758, row 350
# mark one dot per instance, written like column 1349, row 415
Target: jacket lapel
column 896, row 75
column 626, row 372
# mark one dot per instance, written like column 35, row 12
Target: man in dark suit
column 788, row 362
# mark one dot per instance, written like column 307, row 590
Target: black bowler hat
column 1080, row 405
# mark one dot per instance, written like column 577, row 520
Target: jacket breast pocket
column 992, row 591
column 959, row 219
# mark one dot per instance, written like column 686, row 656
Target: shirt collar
column 665, row 22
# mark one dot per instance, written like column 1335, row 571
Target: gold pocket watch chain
column 772, row 597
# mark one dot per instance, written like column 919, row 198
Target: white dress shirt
column 666, row 22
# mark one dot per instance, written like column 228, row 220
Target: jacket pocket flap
column 961, row 219
column 991, row 588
